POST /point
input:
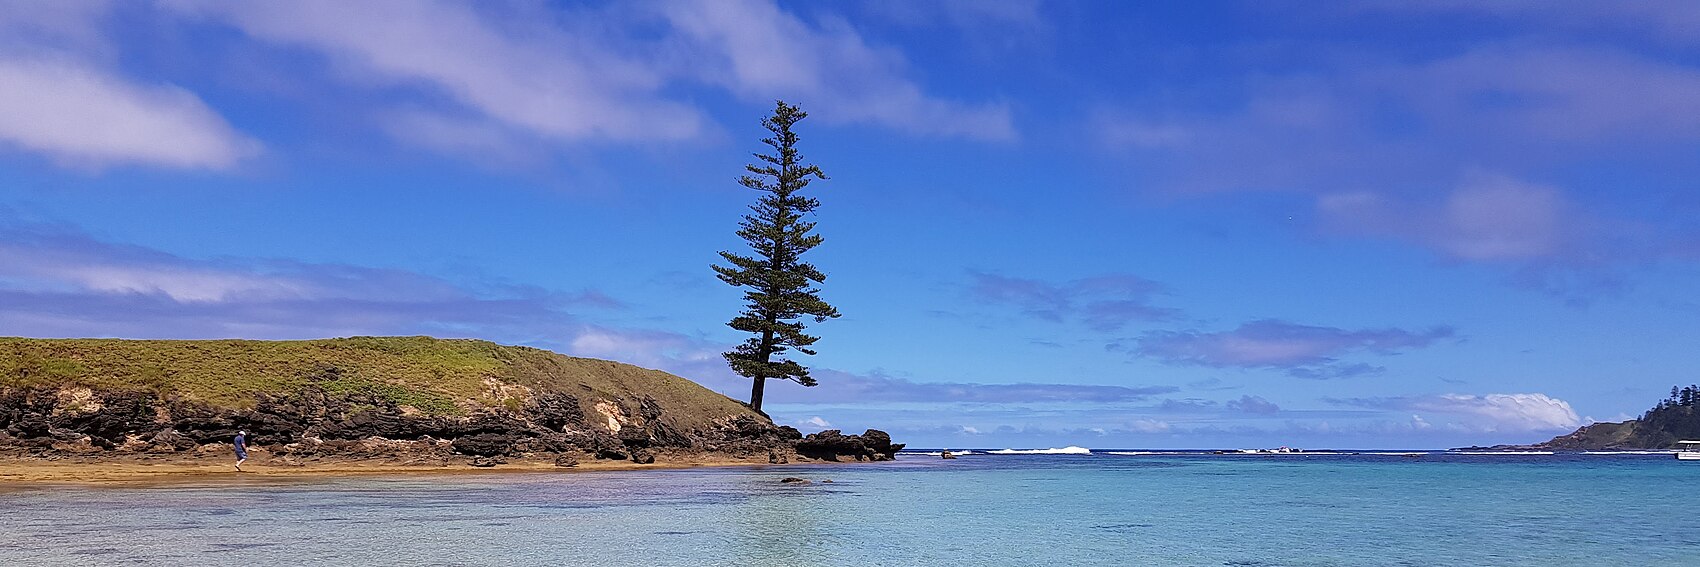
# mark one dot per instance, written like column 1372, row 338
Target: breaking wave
column 1069, row 450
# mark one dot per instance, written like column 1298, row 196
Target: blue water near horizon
column 1099, row 509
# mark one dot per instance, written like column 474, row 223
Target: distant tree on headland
column 1675, row 418
column 779, row 288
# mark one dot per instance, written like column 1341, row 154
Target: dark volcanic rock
column 879, row 442
column 793, row 480
column 556, row 411
column 747, row 436
column 169, row 440
column 749, row 427
column 314, row 423
column 834, row 445
column 484, row 444
column 488, row 461
column 649, row 409
column 607, row 447
column 120, row 413
column 634, row 437
column 546, row 443
column 566, row 461
column 663, row 435
column 30, row 427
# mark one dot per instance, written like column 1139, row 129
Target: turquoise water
column 977, row 510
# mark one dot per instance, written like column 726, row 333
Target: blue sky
column 1102, row 224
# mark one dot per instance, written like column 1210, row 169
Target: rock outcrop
column 834, row 445
column 327, row 400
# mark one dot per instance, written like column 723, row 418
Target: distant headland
column 76, row 407
column 1675, row 418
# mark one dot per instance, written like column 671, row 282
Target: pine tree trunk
column 759, row 383
column 755, row 393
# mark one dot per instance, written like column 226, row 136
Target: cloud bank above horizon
column 1139, row 225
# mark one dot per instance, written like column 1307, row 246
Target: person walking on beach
column 241, row 445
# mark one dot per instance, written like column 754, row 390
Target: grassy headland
column 391, row 401
column 449, row 377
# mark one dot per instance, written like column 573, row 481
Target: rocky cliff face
column 1599, row 437
column 1671, row 420
column 568, row 410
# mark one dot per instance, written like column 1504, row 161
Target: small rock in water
column 794, row 480
column 827, row 481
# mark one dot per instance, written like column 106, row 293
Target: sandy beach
column 105, row 470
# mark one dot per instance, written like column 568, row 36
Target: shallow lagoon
column 980, row 509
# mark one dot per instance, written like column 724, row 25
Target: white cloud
column 503, row 76
column 1255, row 405
column 816, row 421
column 1486, row 217
column 1490, row 412
column 81, row 115
column 55, row 281
column 652, row 349
column 1514, row 412
column 62, row 98
column 66, row 25
column 1306, row 350
column 760, row 52
column 1518, row 110
column 1148, row 426
column 59, row 260
column 527, row 75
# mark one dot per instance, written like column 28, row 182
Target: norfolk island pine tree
column 779, row 287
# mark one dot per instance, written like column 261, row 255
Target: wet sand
column 16, row 471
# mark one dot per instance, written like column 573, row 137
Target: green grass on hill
column 436, row 376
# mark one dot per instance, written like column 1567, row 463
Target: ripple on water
column 988, row 512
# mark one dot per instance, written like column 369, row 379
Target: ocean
column 980, row 509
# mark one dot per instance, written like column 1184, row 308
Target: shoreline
column 71, row 471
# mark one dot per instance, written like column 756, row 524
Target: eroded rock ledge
column 319, row 424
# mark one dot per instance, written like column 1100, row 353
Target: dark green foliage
column 779, row 285
column 1676, row 418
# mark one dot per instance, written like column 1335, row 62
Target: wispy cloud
column 1486, row 218
column 1454, row 153
column 493, row 80
column 1306, row 351
column 1675, row 22
column 529, row 76
column 65, row 100
column 689, row 356
column 58, row 281
column 1490, row 412
column 1253, row 405
column 987, row 30
column 1102, row 303
column 968, row 15
column 843, row 387
column 758, row 50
